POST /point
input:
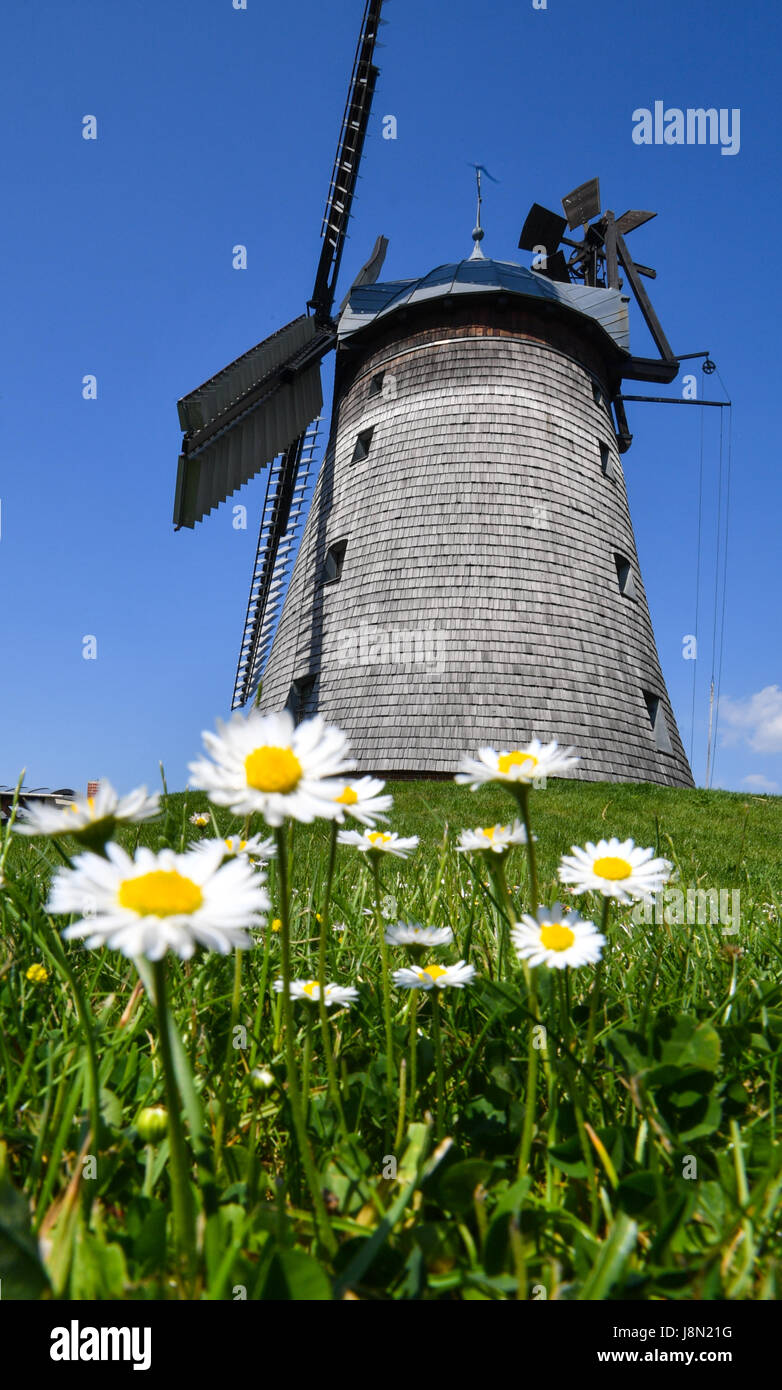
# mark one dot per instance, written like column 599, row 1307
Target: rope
column 697, row 584
column 724, row 565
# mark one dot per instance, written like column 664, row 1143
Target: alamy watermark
column 698, row 125
column 368, row 645
column 691, row 907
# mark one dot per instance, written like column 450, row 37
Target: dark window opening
column 624, row 574
column 597, row 394
column 376, row 384
column 605, row 461
column 363, row 443
column 335, row 558
column 298, row 697
column 658, row 722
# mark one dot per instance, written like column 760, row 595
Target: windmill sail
column 240, row 419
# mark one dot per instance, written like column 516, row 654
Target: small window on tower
column 597, row 393
column 605, row 460
column 658, row 722
column 299, row 696
column 376, row 384
column 624, row 574
column 335, row 558
column 363, row 444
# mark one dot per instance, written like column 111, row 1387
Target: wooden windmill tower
column 467, row 573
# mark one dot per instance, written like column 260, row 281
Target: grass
column 654, row 1168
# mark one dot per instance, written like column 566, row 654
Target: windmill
column 467, row 572
column 263, row 409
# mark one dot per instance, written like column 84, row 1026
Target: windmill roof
column 478, row 275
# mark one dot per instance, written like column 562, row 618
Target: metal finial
column 478, row 232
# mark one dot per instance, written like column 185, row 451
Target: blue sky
column 218, row 127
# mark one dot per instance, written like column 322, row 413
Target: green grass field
column 654, row 1167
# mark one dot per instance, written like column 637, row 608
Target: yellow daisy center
column 310, row 988
column 348, row 797
column 555, row 936
column 610, row 867
column 378, row 837
column 515, row 759
column 489, row 832
column 433, row 971
column 163, row 893
column 271, row 769
column 241, row 845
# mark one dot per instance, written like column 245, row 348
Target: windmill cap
column 479, row 275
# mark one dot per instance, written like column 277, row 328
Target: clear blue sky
column 218, row 127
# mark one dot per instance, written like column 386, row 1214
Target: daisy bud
column 152, row 1124
column 261, row 1079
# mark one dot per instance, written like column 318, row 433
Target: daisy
column 435, row 976
column 200, row 818
column 362, row 800
column 557, row 938
column 254, row 848
column 520, row 765
column 378, row 842
column 90, row 818
column 310, row 989
column 412, row 934
column 615, row 868
column 157, row 902
column 494, row 839
column 265, row 763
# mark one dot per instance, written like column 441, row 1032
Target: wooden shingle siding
column 481, row 535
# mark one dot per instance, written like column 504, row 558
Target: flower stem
column 594, row 1002
column 438, row 1058
column 497, row 871
column 413, row 1049
column 328, row 1052
column 229, row 1052
column 181, row 1194
column 386, row 988
column 523, row 798
column 294, row 1095
column 525, row 1147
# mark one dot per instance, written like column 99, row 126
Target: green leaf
column 611, row 1260
column 22, row 1275
column 295, row 1276
column 688, row 1043
column 568, row 1157
column 98, row 1268
column 457, row 1185
column 636, row 1192
column 110, row 1108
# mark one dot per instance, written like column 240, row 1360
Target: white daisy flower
column 89, row 817
column 254, row 848
column 362, row 800
column 557, row 938
column 494, row 839
column 615, row 868
column 200, row 818
column 310, row 989
column 414, row 935
column 153, row 903
column 434, row 976
column 523, row 765
column 266, row 763
column 379, row 842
